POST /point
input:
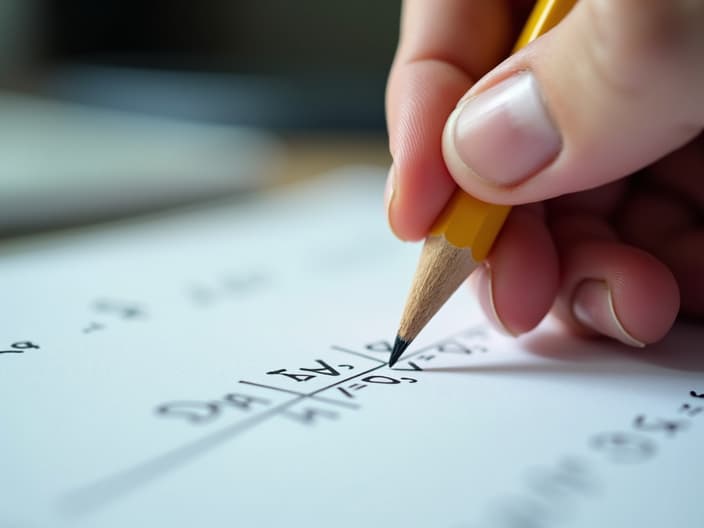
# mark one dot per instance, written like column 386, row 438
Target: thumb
column 615, row 86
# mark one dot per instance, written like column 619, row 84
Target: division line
column 354, row 352
column 349, row 405
column 318, row 391
column 92, row 496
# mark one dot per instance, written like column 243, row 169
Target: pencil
column 463, row 234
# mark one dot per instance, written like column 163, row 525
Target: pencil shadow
column 522, row 368
column 682, row 350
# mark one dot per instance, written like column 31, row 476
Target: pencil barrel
column 467, row 222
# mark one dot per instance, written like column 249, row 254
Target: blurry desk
column 64, row 164
column 311, row 155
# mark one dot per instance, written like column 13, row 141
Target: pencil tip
column 399, row 348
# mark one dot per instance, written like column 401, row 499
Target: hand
column 597, row 125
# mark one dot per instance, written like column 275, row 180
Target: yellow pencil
column 464, row 232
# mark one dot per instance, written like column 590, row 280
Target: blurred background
column 116, row 107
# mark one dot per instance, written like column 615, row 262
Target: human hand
column 615, row 90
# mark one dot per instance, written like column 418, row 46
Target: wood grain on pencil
column 441, row 270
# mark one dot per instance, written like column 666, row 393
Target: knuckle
column 610, row 52
column 639, row 48
column 622, row 36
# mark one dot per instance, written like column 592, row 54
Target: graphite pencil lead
column 399, row 348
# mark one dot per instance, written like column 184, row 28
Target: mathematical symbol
column 354, row 387
column 193, row 411
column 669, row 426
column 243, row 401
column 624, row 447
column 454, row 347
column 121, row 309
column 18, row 347
column 387, row 380
column 309, row 414
column 379, row 346
column 292, row 375
column 345, row 392
column 691, row 411
column 413, row 367
column 325, row 369
column 92, row 327
column 427, row 357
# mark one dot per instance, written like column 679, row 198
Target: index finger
column 445, row 45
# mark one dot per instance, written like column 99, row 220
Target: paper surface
column 226, row 367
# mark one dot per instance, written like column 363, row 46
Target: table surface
column 309, row 155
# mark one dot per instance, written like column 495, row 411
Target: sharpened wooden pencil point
column 441, row 269
column 400, row 347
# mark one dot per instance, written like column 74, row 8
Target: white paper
column 123, row 402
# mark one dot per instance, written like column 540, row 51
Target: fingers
column 663, row 215
column 444, row 46
column 518, row 285
column 610, row 288
column 419, row 184
column 598, row 285
column 615, row 86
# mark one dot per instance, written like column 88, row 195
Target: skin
column 622, row 203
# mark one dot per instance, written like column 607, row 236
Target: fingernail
column 485, row 292
column 593, row 306
column 389, row 191
column 504, row 135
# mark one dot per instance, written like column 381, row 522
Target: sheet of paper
column 226, row 367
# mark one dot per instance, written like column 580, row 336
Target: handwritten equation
column 19, row 347
column 341, row 381
column 320, row 390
